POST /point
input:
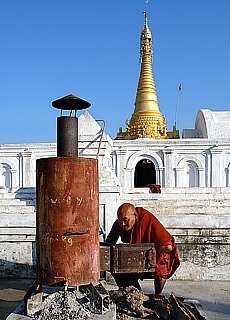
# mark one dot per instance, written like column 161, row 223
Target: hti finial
column 146, row 40
column 145, row 14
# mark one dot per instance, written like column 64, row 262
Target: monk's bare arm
column 114, row 233
column 163, row 249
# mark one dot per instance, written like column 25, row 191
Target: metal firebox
column 67, row 221
column 128, row 258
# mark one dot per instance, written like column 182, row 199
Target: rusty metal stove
column 67, row 207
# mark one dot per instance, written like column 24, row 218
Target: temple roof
column 212, row 125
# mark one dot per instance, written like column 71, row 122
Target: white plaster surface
column 210, row 124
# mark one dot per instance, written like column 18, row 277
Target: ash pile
column 85, row 302
column 132, row 304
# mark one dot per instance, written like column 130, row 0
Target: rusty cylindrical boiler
column 67, row 231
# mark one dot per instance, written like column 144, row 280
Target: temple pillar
column 201, row 178
column 179, row 177
column 27, row 169
column 216, row 173
column 121, row 165
column 169, row 181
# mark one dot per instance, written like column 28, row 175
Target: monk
column 137, row 225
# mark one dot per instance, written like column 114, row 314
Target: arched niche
column 145, row 173
column 5, row 176
column 190, row 172
column 154, row 161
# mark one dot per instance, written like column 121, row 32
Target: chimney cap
column 70, row 102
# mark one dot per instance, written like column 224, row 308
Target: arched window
column 145, row 173
column 5, row 175
column 191, row 178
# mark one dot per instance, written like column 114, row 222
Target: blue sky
column 50, row 48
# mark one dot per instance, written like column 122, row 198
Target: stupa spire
column 146, row 97
column 147, row 120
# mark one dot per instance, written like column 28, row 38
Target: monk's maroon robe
column 148, row 229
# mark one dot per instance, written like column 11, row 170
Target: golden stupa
column 147, row 120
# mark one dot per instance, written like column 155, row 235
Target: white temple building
column 192, row 172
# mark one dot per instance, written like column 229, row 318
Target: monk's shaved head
column 126, row 214
column 126, row 208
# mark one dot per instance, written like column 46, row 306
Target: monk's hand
column 150, row 259
column 163, row 249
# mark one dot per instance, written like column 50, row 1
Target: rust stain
column 67, row 221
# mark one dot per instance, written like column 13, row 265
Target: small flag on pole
column 177, row 105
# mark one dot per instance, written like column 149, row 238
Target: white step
column 168, row 196
column 17, row 234
column 17, row 202
column 190, row 201
column 190, row 210
column 179, row 202
column 23, row 193
column 17, row 220
column 171, row 221
column 25, row 230
column 16, row 209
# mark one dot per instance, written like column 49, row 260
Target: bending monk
column 137, row 225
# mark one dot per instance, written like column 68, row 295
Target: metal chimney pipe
column 67, row 126
column 67, row 137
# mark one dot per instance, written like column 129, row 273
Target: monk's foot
column 159, row 297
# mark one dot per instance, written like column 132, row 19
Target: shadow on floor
column 12, row 292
